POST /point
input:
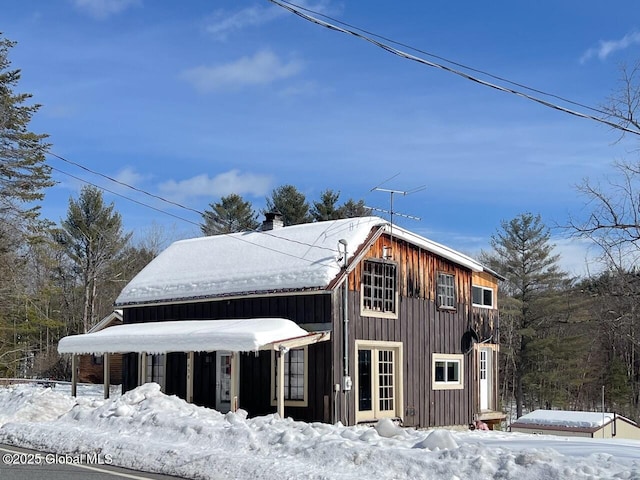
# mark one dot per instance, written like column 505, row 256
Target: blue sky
column 194, row 100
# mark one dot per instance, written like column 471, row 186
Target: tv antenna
column 391, row 193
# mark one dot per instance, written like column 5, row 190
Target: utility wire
column 299, row 11
column 111, row 179
column 123, row 196
column 175, row 204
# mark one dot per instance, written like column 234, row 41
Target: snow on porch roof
column 191, row 336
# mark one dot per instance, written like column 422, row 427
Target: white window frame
column 365, row 310
column 446, row 291
column 483, row 289
column 447, row 384
column 274, row 369
column 398, row 387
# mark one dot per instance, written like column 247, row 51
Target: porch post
column 280, row 393
column 106, row 371
column 190, row 361
column 235, row 380
column 142, row 368
column 74, row 374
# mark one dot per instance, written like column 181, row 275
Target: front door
column 485, row 378
column 223, row 381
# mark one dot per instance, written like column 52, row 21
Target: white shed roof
column 566, row 418
column 189, row 336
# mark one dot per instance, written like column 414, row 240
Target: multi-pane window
column 482, row 296
column 447, row 371
column 378, row 380
column 294, row 373
column 446, row 290
column 155, row 369
column 385, row 380
column 379, row 286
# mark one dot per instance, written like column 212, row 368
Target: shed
column 577, row 424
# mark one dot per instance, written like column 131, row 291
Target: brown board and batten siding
column 422, row 328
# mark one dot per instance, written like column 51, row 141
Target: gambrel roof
column 295, row 258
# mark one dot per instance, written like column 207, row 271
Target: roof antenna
column 391, row 193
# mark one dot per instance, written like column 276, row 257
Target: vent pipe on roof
column 272, row 221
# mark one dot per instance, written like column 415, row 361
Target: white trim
column 447, row 358
column 305, row 395
column 483, row 288
column 398, row 386
column 366, row 312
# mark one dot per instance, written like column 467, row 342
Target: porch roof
column 193, row 336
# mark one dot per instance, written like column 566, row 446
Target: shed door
column 223, row 381
column 485, row 377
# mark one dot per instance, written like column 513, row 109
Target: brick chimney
column 272, row 221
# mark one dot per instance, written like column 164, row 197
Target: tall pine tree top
column 23, row 171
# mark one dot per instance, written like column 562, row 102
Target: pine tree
column 326, row 208
column 23, row 171
column 352, row 209
column 231, row 214
column 522, row 252
column 291, row 203
column 23, row 177
column 93, row 239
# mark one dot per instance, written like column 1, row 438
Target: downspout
column 346, row 379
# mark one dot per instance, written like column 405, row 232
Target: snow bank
column 148, row 430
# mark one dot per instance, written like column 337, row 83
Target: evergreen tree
column 326, row 208
column 23, row 171
column 522, row 252
column 291, row 203
column 352, row 209
column 23, row 177
column 93, row 239
column 231, row 214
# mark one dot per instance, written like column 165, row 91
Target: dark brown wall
column 421, row 327
column 255, row 371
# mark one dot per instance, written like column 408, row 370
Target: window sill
column 376, row 314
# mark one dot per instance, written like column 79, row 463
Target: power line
column 124, row 184
column 299, row 11
column 122, row 196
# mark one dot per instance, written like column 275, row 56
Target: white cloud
column 222, row 23
column 101, row 9
column 223, row 184
column 607, row 47
column 263, row 68
column 129, row 176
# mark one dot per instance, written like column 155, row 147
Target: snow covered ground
column 148, row 430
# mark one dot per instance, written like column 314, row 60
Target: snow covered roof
column 187, row 336
column 295, row 257
column 565, row 418
column 299, row 257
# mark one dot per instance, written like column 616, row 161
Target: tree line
column 562, row 339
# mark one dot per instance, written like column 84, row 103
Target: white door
column 485, row 378
column 223, row 381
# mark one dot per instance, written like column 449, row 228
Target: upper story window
column 379, row 288
column 482, row 296
column 446, row 290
